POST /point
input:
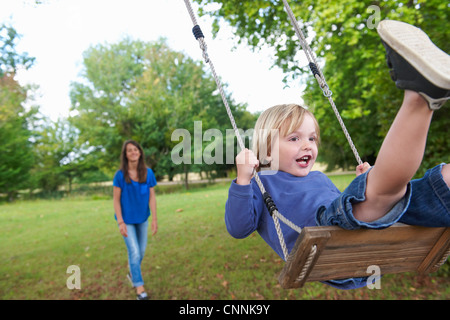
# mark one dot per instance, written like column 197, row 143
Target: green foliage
column 16, row 158
column 10, row 59
column 353, row 64
column 60, row 157
column 144, row 91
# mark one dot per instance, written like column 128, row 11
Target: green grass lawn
column 191, row 257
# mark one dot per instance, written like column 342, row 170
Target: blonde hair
column 279, row 120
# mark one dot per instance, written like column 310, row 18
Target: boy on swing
column 286, row 137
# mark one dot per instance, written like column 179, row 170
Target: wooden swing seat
column 326, row 253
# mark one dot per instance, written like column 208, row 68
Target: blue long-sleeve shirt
column 297, row 198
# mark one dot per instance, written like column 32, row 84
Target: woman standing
column 134, row 201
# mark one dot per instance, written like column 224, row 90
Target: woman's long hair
column 141, row 169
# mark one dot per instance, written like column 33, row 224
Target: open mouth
column 304, row 161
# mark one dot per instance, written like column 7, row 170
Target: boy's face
column 296, row 153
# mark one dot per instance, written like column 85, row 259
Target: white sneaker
column 416, row 63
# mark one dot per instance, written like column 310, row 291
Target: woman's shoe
column 142, row 296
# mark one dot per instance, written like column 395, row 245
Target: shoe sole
column 416, row 47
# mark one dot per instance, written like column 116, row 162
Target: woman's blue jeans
column 136, row 243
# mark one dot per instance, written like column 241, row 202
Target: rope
column 314, row 66
column 308, row 262
column 201, row 39
column 276, row 216
column 317, row 72
column 444, row 258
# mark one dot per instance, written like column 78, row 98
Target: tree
column 60, row 157
column 143, row 91
column 10, row 59
column 352, row 57
column 16, row 158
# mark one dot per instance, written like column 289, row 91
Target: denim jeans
column 136, row 243
column 430, row 201
column 426, row 203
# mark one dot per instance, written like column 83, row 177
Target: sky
column 57, row 32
